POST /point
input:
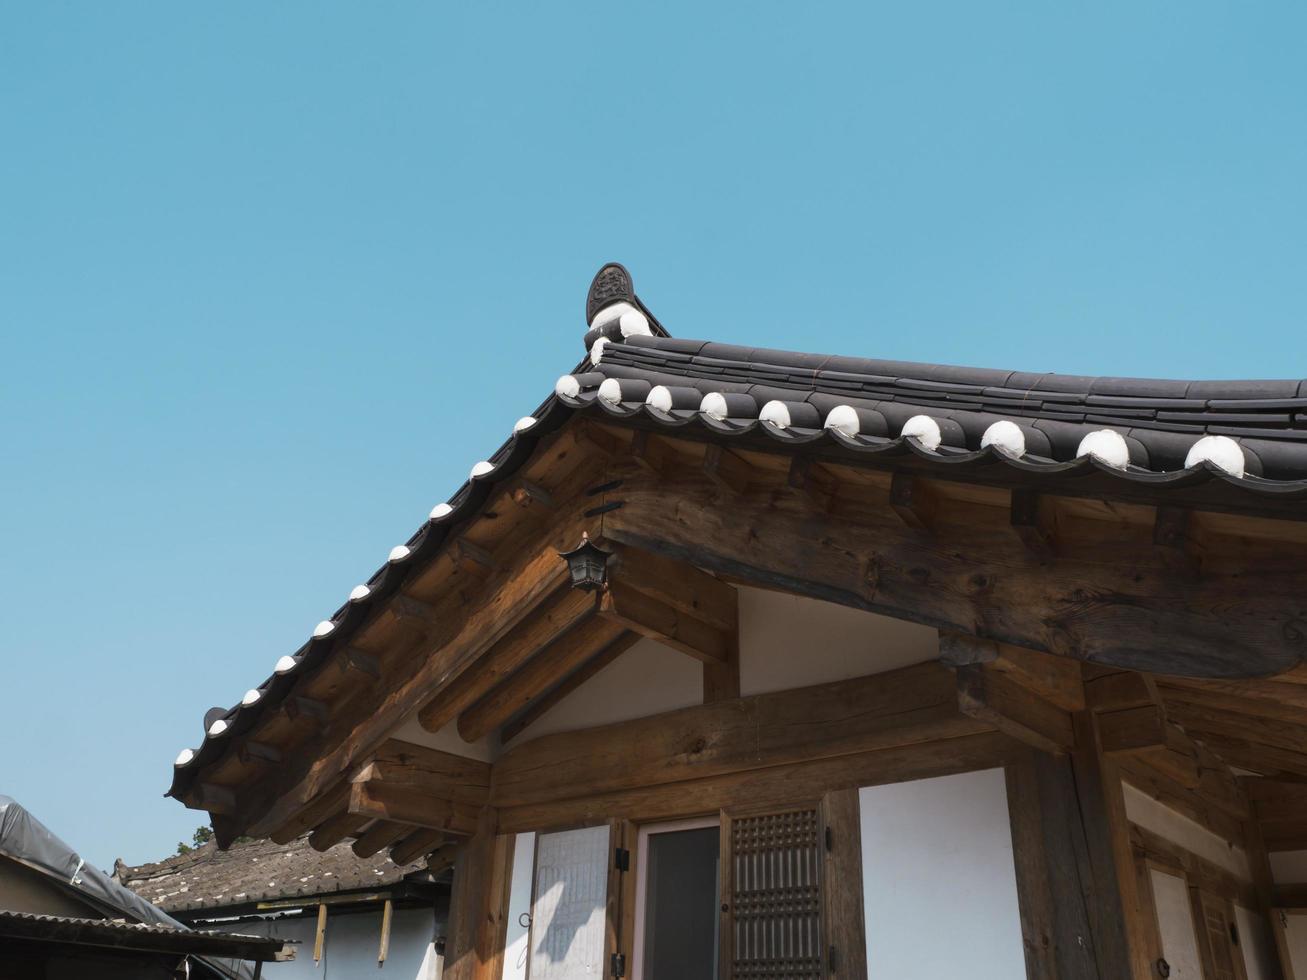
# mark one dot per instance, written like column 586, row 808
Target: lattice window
column 775, row 896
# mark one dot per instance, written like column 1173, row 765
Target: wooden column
column 845, row 932
column 474, row 949
column 1081, row 914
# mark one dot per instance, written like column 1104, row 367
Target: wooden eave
column 1081, row 566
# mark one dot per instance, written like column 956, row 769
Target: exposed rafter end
column 912, row 501
column 726, row 469
column 1031, row 525
column 811, row 478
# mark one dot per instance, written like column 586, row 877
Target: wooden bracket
column 1029, row 525
column 414, row 612
column 726, row 469
column 914, row 504
column 811, row 478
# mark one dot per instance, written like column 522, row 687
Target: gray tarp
column 28, row 841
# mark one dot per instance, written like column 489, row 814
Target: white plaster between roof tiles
column 567, row 386
column 611, row 391
column 1006, row 436
column 1221, row 451
column 323, row 628
column 659, row 397
column 611, row 312
column 925, row 430
column 597, row 350
column 524, row 423
column 359, row 593
column 440, row 512
column 398, row 553
column 1107, row 446
column 481, row 468
column 286, row 664
column 777, row 413
column 844, row 419
column 714, row 406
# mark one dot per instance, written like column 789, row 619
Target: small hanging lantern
column 588, row 564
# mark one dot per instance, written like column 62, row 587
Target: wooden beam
column 307, row 817
column 378, row 837
column 1055, row 679
column 375, row 800
column 252, row 752
column 649, row 617
column 914, row 504
column 542, row 704
column 334, row 830
column 444, row 774
column 798, row 783
column 534, row 678
column 320, row 933
column 998, row 699
column 414, row 612
column 828, row 720
column 563, row 611
column 1120, row 690
column 843, row 908
column 310, row 710
column 1145, row 731
column 679, row 585
column 415, row 845
column 652, row 453
column 1121, row 606
column 443, row 858
column 358, row 664
column 529, row 494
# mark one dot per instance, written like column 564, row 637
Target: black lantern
column 588, row 564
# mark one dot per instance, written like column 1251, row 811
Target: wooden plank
column 726, row 469
column 1120, row 689
column 534, row 678
column 562, row 612
column 1146, row 731
column 1119, row 605
column 894, row 708
column 997, row 699
column 308, row 817
column 542, row 704
column 642, row 614
column 842, row 884
column 791, row 783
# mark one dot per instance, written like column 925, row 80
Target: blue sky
column 272, row 276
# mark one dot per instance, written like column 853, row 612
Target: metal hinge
column 832, row 960
column 830, row 839
column 618, row 964
column 622, row 859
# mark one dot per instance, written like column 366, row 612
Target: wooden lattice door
column 771, row 896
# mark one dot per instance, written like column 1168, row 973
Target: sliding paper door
column 569, row 905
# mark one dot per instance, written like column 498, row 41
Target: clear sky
column 274, row 275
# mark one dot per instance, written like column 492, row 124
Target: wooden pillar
column 478, row 899
column 845, row 935
column 1081, row 914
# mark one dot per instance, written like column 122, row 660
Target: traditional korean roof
column 63, row 932
column 1231, row 445
column 260, row 871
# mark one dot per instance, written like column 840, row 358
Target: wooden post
column 846, row 938
column 476, row 919
column 387, row 911
column 321, row 934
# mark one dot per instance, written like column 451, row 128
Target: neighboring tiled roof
column 138, row 937
column 257, row 871
column 1249, row 438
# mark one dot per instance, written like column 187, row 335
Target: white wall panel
column 938, row 878
column 517, row 937
column 1257, row 942
column 1152, row 815
column 1175, row 921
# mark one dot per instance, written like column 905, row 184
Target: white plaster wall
column 1175, row 922
column 790, row 641
column 447, row 740
column 351, row 946
column 1261, row 961
column 1288, row 867
column 646, row 680
column 1148, row 813
column 939, row 882
column 517, row 937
